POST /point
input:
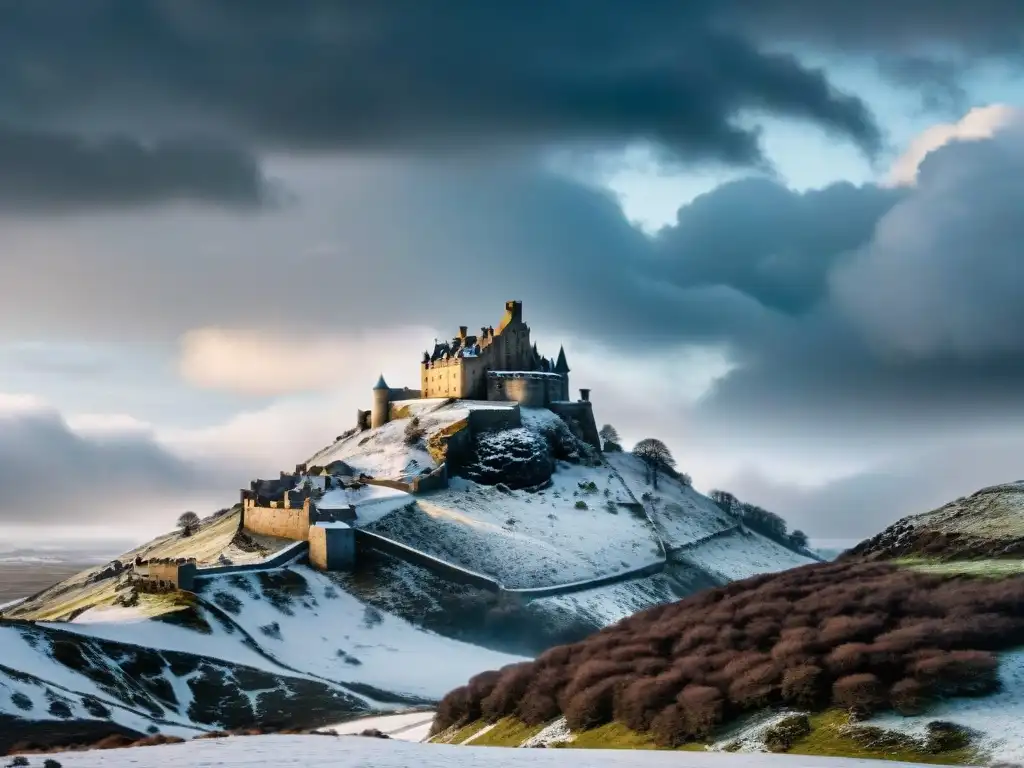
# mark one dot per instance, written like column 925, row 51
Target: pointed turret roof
column 381, row 384
column 561, row 366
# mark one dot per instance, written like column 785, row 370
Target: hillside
column 791, row 662
column 588, row 545
column 985, row 527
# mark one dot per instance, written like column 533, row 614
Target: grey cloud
column 42, row 171
column 54, row 476
column 859, row 506
column 403, row 75
column 986, row 27
column 379, row 244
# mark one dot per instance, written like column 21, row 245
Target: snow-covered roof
column 524, row 375
column 336, row 524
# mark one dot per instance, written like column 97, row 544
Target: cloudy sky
column 784, row 237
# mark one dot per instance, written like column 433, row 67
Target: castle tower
column 381, row 413
column 562, row 367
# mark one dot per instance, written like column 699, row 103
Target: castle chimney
column 585, row 395
column 462, row 331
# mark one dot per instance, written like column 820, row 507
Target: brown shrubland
column 865, row 636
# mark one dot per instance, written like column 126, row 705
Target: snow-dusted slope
column 741, row 554
column 302, row 622
column 567, row 532
column 51, row 676
column 357, row 752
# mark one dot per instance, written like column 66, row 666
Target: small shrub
column 908, row 697
column 802, row 686
column 21, row 701
column 18, row 762
column 580, row 504
column 863, row 691
column 51, row 763
column 273, row 630
column 414, row 431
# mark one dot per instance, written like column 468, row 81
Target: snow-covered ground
column 359, row 752
column 40, row 684
column 680, row 514
column 740, row 555
column 1000, row 716
column 383, row 452
column 407, row 726
column 313, row 626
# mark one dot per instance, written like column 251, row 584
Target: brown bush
column 592, row 706
column 863, row 691
column 856, row 634
column 959, row 673
column 908, row 697
column 641, row 699
column 803, row 686
column 703, row 707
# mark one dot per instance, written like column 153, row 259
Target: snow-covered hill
column 391, row 632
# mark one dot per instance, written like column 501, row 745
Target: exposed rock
column 783, row 734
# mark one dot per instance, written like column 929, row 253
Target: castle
column 499, row 364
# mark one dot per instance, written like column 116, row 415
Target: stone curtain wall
column 272, row 521
column 583, row 412
column 529, row 392
column 494, row 419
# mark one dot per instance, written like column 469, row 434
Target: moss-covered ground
column 832, row 735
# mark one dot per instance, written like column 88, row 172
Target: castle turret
column 381, row 412
column 562, row 367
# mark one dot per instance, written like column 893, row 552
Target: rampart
column 283, row 522
column 332, row 547
column 582, row 413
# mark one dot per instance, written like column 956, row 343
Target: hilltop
column 986, row 527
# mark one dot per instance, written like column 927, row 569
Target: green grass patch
column 986, row 568
column 831, row 736
column 611, row 736
column 507, row 732
column 465, row 732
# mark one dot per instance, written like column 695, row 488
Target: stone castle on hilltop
column 500, row 364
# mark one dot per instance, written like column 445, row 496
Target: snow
column 56, row 680
column 407, row 726
column 371, row 502
column 741, row 555
column 12, row 603
column 997, row 716
column 527, row 540
column 680, row 514
column 336, row 524
column 355, row 752
column 110, row 613
column 326, row 633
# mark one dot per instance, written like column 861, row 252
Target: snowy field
column 1000, row 716
column 359, row 752
column 309, row 624
column 407, row 726
column 741, row 555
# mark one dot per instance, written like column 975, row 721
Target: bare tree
column 656, row 455
column 188, row 523
column 726, row 501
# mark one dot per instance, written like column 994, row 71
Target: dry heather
column 865, row 636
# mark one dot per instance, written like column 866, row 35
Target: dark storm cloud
column 55, row 476
column 46, row 171
column 984, row 27
column 773, row 244
column 407, row 75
